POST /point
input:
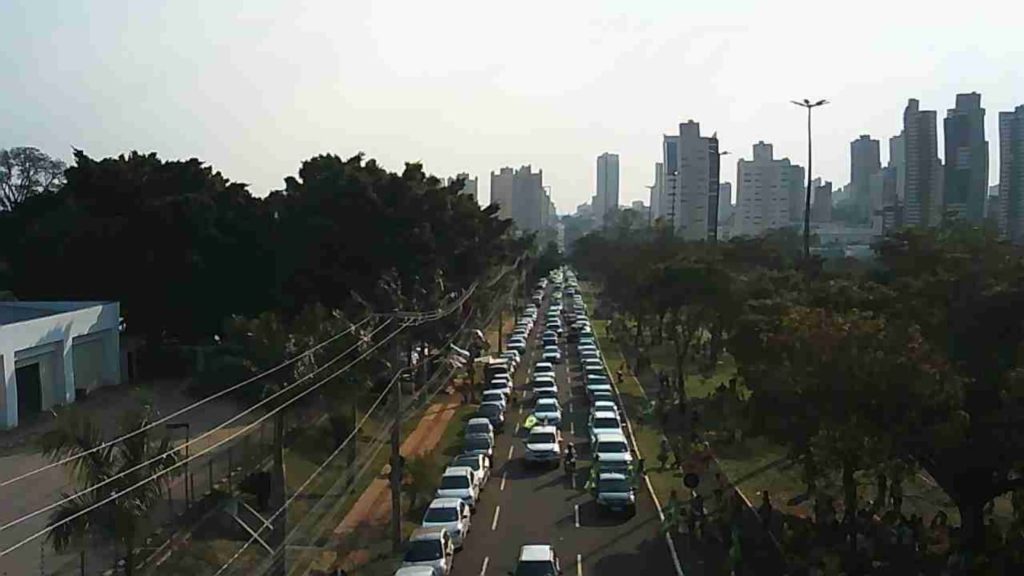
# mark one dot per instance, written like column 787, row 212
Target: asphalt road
column 524, row 505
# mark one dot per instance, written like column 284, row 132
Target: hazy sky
column 255, row 87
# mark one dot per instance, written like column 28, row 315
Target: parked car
column 430, row 547
column 451, row 514
column 494, row 412
column 459, row 482
column 495, row 396
column 612, row 447
column 477, row 463
column 601, row 422
column 479, row 426
column 479, row 445
column 551, row 354
column 615, row 492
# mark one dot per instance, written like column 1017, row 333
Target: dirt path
column 374, row 506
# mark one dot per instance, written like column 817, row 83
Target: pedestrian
column 896, row 494
column 618, row 376
column 735, row 551
column 765, row 511
column 671, row 513
column 663, row 452
column 697, row 513
column 677, row 452
column 640, row 469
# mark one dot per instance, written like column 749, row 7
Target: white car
column 451, row 514
column 602, row 422
column 612, row 447
column 543, row 386
column 543, row 368
column 459, row 482
column 495, row 396
column 544, row 445
column 431, row 548
column 481, row 468
column 479, row 427
column 551, row 354
column 415, row 571
column 606, row 406
column 537, row 560
column 547, row 410
column 547, row 378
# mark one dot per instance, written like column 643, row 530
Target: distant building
column 724, row 202
column 607, row 197
column 821, row 207
column 584, row 209
column 502, row 185
column 691, row 171
column 470, row 186
column 924, row 170
column 1011, row 174
column 657, row 190
column 54, row 352
column 992, row 205
column 797, row 194
column 865, row 163
column 639, row 206
column 966, row 174
column 520, row 196
column 764, row 191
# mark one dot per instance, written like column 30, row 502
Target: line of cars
column 448, row 518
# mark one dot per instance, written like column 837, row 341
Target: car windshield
column 454, row 482
column 615, row 485
column 535, row 568
column 478, row 428
column 493, row 397
column 441, row 515
column 606, row 423
column 542, row 438
column 546, row 409
column 489, row 410
column 423, row 551
column 478, row 443
column 612, row 447
column 471, row 461
column 616, row 467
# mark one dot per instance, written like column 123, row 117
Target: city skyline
column 254, row 90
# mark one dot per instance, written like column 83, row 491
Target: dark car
column 494, row 413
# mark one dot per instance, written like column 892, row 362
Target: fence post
column 192, row 484
column 210, row 470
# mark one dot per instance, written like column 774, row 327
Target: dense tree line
column 913, row 360
column 183, row 248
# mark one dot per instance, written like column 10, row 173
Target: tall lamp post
column 807, row 200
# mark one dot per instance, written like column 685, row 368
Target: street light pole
column 807, row 200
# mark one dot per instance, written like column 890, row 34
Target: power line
column 181, row 411
column 165, row 471
column 205, row 434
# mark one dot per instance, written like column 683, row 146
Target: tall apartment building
column 657, row 190
column 821, row 204
column 923, row 186
column 724, row 201
column 966, row 174
column 520, row 196
column 606, row 198
column 797, row 194
column 865, row 163
column 1011, row 174
column 764, row 192
column 691, row 171
column 501, row 191
column 471, row 184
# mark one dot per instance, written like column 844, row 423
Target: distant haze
column 255, row 87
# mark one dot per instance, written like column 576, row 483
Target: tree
column 27, row 172
column 121, row 519
column 421, row 474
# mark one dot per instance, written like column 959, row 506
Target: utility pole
column 277, row 500
column 397, row 461
column 807, row 200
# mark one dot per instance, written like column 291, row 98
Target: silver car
column 451, row 514
column 430, row 547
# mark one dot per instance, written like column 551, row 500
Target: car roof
column 613, row 435
column 546, row 401
column 415, row 571
column 542, row 428
column 466, row 457
column 602, row 414
column 535, row 553
column 458, row 471
column 478, row 420
column 431, row 533
column 447, row 502
column 611, row 476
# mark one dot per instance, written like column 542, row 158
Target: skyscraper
column 607, row 197
column 924, row 170
column 865, row 163
column 657, row 190
column 821, row 208
column 520, row 196
column 1011, row 174
column 724, row 201
column 797, row 193
column 691, row 182
column 470, row 186
column 764, row 188
column 966, row 177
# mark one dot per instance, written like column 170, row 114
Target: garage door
column 88, row 362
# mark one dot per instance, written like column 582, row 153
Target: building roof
column 21, row 311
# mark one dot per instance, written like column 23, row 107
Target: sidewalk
column 709, row 557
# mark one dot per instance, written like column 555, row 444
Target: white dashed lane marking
column 494, row 523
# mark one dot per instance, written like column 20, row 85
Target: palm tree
column 121, row 519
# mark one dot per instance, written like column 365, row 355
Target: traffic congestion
column 549, row 426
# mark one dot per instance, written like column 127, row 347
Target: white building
column 765, row 189
column 51, row 352
column 657, row 190
column 606, row 197
column 471, row 184
column 689, row 200
column 502, row 185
